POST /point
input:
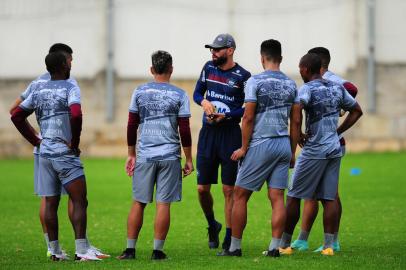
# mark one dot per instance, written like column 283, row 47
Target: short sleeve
column 28, row 103
column 184, row 110
column 303, row 95
column 27, row 91
column 348, row 101
column 74, row 96
column 133, row 103
column 250, row 90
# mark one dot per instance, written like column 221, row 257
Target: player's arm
column 15, row 105
column 295, row 129
column 19, row 119
column 132, row 127
column 247, row 128
column 354, row 114
column 186, row 141
column 76, row 126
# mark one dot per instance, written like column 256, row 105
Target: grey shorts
column 56, row 172
column 166, row 175
column 36, row 176
column 315, row 179
column 268, row 161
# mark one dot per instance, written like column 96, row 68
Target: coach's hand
column 130, row 165
column 208, row 108
column 238, row 154
column 188, row 168
column 218, row 117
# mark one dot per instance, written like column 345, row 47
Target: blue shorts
column 56, row 172
column 315, row 179
column 215, row 147
column 166, row 175
column 36, row 176
column 266, row 162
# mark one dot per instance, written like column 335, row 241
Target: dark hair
column 55, row 61
column 324, row 54
column 161, row 61
column 60, row 47
column 271, row 49
column 312, row 62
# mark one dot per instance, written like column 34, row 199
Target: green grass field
column 373, row 231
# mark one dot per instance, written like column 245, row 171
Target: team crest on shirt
column 231, row 83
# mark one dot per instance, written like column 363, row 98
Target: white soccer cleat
column 59, row 257
column 99, row 254
column 88, row 256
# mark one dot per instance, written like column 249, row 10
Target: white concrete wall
column 28, row 28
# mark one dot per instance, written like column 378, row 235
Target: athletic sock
column 81, row 246
column 131, row 243
column 285, row 240
column 303, row 235
column 335, row 237
column 328, row 240
column 275, row 243
column 47, row 240
column 211, row 220
column 88, row 241
column 227, row 237
column 159, row 244
column 235, row 244
column 54, row 246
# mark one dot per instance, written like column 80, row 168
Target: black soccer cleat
column 226, row 244
column 213, row 232
column 158, row 255
column 272, row 253
column 226, row 252
column 128, row 254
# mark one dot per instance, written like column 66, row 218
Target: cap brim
column 213, row 46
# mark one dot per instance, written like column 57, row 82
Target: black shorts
column 215, row 146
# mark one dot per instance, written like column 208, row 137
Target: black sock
column 211, row 220
column 227, row 237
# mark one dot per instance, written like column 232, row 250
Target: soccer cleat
column 88, row 256
column 327, row 252
column 59, row 257
column 272, row 253
column 49, row 253
column 158, row 255
column 99, row 254
column 226, row 252
column 300, row 245
column 226, row 244
column 128, row 254
column 336, row 247
column 286, row 251
column 213, row 233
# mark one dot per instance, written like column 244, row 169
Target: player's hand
column 210, row 119
column 292, row 161
column 76, row 152
column 342, row 113
column 238, row 154
column 130, row 165
column 303, row 139
column 218, row 117
column 188, row 168
column 208, row 108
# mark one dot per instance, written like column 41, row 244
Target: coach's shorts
column 315, row 178
column 215, row 147
column 56, row 172
column 167, row 175
column 268, row 161
column 36, row 176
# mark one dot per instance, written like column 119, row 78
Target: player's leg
column 336, row 244
column 168, row 190
column 276, row 196
column 310, row 210
column 142, row 188
column 228, row 140
column 327, row 193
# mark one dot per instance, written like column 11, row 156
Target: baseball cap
column 222, row 41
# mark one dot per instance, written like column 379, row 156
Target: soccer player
column 220, row 91
column 265, row 146
column 317, row 168
column 161, row 112
column 58, row 111
column 311, row 206
column 67, row 51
